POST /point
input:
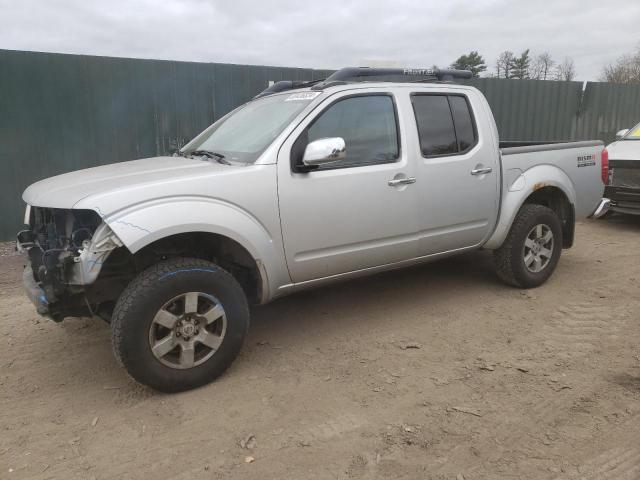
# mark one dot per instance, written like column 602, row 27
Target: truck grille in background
column 624, row 176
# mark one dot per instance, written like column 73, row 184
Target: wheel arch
column 213, row 227
column 220, row 249
column 545, row 185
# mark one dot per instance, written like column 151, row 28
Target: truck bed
column 579, row 161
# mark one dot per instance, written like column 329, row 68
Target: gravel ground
column 7, row 249
column 434, row 372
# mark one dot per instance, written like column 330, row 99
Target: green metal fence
column 65, row 112
column 60, row 113
column 531, row 110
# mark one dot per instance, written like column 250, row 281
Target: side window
column 366, row 123
column 463, row 121
column 445, row 124
column 435, row 125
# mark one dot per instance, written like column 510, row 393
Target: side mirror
column 323, row 151
column 621, row 133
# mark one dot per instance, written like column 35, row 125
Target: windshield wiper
column 209, row 154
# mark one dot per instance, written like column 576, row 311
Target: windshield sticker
column 302, row 96
column 635, row 133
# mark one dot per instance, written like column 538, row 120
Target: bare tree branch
column 566, row 70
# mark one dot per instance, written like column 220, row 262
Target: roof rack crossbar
column 358, row 73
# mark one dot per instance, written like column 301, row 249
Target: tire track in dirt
column 577, row 329
column 574, row 330
column 615, row 464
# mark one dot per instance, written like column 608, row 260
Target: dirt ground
column 435, row 372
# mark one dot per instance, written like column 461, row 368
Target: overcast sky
column 325, row 33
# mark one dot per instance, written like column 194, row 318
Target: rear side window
column 445, row 124
column 463, row 121
column 435, row 125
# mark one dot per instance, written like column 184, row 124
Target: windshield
column 634, row 133
column 244, row 134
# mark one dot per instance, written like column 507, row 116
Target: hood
column 65, row 191
column 624, row 150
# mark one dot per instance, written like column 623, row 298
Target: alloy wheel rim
column 538, row 248
column 187, row 330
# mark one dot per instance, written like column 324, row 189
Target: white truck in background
column 623, row 187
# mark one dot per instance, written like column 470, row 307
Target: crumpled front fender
column 141, row 225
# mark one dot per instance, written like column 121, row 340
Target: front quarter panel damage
column 150, row 222
column 92, row 255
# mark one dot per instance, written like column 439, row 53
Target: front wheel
column 179, row 324
column 531, row 251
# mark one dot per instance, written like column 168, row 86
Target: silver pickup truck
column 304, row 185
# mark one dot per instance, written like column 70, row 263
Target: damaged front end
column 67, row 250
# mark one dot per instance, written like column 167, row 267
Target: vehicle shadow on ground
column 629, row 223
column 322, row 311
column 393, row 289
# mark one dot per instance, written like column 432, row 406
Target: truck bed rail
column 544, row 147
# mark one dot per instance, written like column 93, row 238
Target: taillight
column 604, row 163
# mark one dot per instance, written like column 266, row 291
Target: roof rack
column 359, row 74
column 284, row 85
column 364, row 74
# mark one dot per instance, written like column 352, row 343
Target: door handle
column 401, row 181
column 481, row 171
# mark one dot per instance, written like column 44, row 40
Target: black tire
column 146, row 294
column 510, row 257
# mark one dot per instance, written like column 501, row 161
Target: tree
column 542, row 66
column 473, row 62
column 626, row 69
column 566, row 70
column 520, row 66
column 503, row 64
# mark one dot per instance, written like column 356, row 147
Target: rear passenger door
column 457, row 171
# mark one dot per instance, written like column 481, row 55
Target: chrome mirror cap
column 324, row 150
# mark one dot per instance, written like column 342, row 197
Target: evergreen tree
column 473, row 62
column 520, row 66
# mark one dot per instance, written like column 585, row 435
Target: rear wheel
column 531, row 251
column 179, row 324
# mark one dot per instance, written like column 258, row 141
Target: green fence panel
column 607, row 108
column 61, row 112
column 532, row 110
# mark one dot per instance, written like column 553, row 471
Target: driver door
column 350, row 215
